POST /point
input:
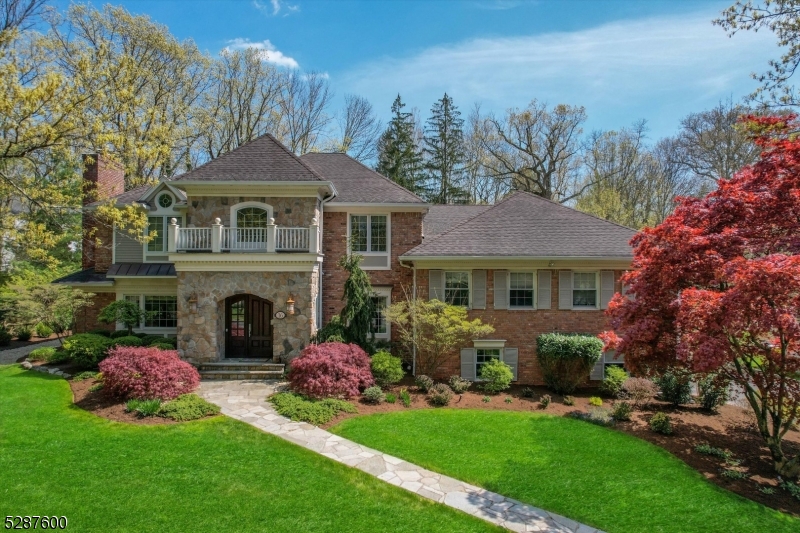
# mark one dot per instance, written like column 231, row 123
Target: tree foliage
column 399, row 156
column 126, row 312
column 356, row 315
column 445, row 153
column 716, row 288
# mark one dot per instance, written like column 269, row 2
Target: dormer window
column 165, row 200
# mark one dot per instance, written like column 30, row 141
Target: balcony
column 219, row 239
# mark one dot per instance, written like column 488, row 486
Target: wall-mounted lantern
column 193, row 303
column 290, row 305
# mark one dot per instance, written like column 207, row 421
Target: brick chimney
column 102, row 179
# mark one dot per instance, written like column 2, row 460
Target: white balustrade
column 244, row 239
column 294, row 239
column 194, row 239
column 267, row 239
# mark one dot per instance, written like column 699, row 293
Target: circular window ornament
column 165, row 200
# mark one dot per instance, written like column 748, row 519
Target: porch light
column 193, row 303
column 290, row 305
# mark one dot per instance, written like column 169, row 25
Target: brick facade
column 86, row 318
column 406, row 233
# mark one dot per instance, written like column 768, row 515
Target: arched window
column 250, row 215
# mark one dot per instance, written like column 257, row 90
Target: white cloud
column 659, row 69
column 275, row 7
column 267, row 50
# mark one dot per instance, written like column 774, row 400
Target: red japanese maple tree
column 716, row 287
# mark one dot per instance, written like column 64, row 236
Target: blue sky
column 622, row 60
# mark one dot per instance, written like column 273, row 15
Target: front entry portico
column 248, row 327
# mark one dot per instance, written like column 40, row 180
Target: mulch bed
column 732, row 428
column 99, row 404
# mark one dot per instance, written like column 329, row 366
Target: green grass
column 591, row 474
column 215, row 474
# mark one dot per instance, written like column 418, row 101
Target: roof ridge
column 295, row 156
column 492, row 206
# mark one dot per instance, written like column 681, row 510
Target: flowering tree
column 716, row 287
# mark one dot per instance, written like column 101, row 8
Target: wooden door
column 259, row 342
column 236, row 326
column 248, row 328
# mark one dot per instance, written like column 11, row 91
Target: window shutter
column 436, row 285
column 543, row 286
column 511, row 358
column 565, row 289
column 626, row 292
column 468, row 363
column 597, row 373
column 500, row 289
column 606, row 287
column 479, row 289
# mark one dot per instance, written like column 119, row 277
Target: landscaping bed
column 732, row 429
column 101, row 405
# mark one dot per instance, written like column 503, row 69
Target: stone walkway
column 10, row 356
column 246, row 401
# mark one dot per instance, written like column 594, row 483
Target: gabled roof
column 525, row 225
column 357, row 183
column 262, row 159
column 441, row 218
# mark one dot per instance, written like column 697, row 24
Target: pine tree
column 399, row 158
column 444, row 146
column 356, row 315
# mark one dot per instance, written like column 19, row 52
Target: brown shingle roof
column 262, row 159
column 358, row 183
column 125, row 198
column 528, row 225
column 441, row 218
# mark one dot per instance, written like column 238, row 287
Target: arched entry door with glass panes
column 248, row 327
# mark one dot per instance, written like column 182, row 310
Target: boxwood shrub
column 86, row 349
column 566, row 360
column 386, row 369
column 129, row 340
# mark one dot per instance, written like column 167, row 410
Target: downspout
column 413, row 320
column 321, row 271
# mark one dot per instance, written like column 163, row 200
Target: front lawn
column 216, row 474
column 591, row 474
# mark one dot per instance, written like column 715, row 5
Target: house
column 243, row 264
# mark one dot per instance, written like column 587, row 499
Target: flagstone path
column 246, row 401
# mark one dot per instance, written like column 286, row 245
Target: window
column 520, row 290
column 584, row 289
column 381, row 298
column 162, row 311
column 369, row 233
column 483, row 356
column 252, row 217
column 157, row 226
column 456, row 288
column 165, row 200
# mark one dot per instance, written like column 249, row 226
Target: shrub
column 149, row 340
column 140, row 335
column 496, row 376
column 333, row 331
column 390, row 398
column 386, row 369
column 730, row 473
column 84, row 376
column 5, row 336
column 508, row 399
column 440, row 394
column 147, row 373
column 119, row 333
column 675, row 388
column 792, row 488
column 331, row 369
column 719, row 453
column 622, row 411
column 168, row 341
column 528, row 392
column 162, row 346
column 639, row 391
column 102, row 332
column 486, row 399
column 24, row 334
column 423, row 382
column 661, row 423
column 597, row 401
column 566, row 360
column 122, row 311
column 309, row 410
column 544, row 401
column 129, row 340
column 569, row 400
column 373, row 395
column 615, row 378
column 96, row 387
column 42, row 354
column 459, row 385
column 143, row 407
column 42, row 330
column 713, row 392
column 405, row 397
column 187, row 407
column 86, row 350
column 596, row 415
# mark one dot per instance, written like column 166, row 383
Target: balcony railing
column 218, row 238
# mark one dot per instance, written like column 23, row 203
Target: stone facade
column 201, row 333
column 519, row 328
column 289, row 212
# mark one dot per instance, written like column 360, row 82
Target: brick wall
column 520, row 328
column 406, row 231
column 86, row 319
column 102, row 179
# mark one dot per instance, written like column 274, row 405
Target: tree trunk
column 788, row 468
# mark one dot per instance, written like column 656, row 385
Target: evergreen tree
column 444, row 146
column 356, row 316
column 399, row 158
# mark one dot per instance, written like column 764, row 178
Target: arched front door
column 248, row 328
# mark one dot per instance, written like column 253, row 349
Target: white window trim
column 384, row 292
column 488, row 344
column 387, row 253
column 533, row 288
column 469, row 285
column 158, row 200
column 596, row 306
column 244, row 205
column 142, row 328
column 161, row 255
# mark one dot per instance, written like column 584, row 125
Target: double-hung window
column 483, row 356
column 520, row 290
column 369, row 236
column 584, row 290
column 379, row 324
column 157, row 231
column 456, row 288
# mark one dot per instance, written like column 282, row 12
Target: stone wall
column 290, row 212
column 201, row 335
